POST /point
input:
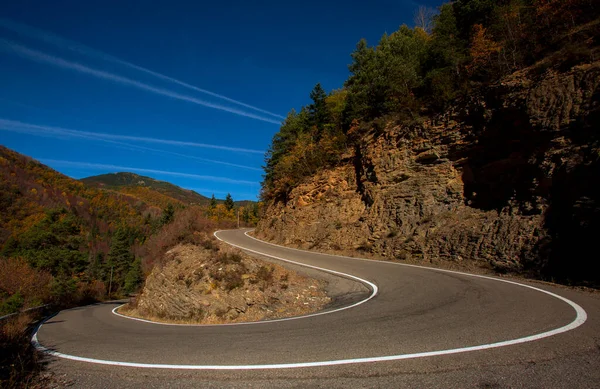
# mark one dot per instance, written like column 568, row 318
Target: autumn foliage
column 21, row 285
column 66, row 243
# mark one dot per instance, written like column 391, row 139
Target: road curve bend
column 411, row 312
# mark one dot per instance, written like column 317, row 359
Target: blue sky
column 189, row 92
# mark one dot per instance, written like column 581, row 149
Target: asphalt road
column 406, row 327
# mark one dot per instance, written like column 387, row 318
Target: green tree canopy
column 168, row 214
column 120, row 257
column 319, row 112
column 229, row 204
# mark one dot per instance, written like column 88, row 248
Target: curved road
column 410, row 326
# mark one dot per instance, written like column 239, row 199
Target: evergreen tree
column 363, row 74
column 168, row 214
column 53, row 244
column 213, row 202
column 134, row 277
column 445, row 57
column 319, row 113
column 96, row 268
column 120, row 258
column 471, row 12
column 229, row 204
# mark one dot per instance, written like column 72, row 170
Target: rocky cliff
column 505, row 180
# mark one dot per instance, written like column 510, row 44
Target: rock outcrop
column 212, row 285
column 506, row 179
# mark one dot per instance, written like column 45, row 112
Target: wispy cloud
column 116, row 168
column 39, row 56
column 93, row 53
column 200, row 159
column 34, row 129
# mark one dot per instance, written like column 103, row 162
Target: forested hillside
column 60, row 239
column 468, row 140
column 166, row 195
column 65, row 243
column 146, row 188
column 75, row 234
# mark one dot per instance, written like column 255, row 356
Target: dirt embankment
column 216, row 284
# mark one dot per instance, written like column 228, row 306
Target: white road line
column 372, row 286
column 580, row 318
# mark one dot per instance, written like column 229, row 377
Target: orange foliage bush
column 94, row 290
column 482, row 48
column 190, row 225
column 14, row 328
column 16, row 276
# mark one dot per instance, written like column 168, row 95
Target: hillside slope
column 146, row 188
column 59, row 226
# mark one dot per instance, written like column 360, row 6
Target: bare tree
column 423, row 18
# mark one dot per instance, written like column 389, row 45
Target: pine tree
column 213, row 202
column 229, row 202
column 319, row 114
column 134, row 277
column 168, row 214
column 120, row 257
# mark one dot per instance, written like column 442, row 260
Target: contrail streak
column 16, row 126
column 100, row 166
column 60, row 133
column 200, row 159
column 93, row 53
column 63, row 63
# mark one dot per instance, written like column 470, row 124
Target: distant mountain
column 146, row 188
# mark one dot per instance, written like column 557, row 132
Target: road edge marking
column 369, row 284
column 580, row 319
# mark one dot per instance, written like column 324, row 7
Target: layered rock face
column 507, row 179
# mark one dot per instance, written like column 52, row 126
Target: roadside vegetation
column 64, row 243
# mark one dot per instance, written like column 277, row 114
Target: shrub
column 210, row 244
column 92, row 291
column 12, row 304
column 265, row 274
column 189, row 225
column 22, row 286
column 228, row 258
column 365, row 246
column 233, row 279
column 19, row 362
